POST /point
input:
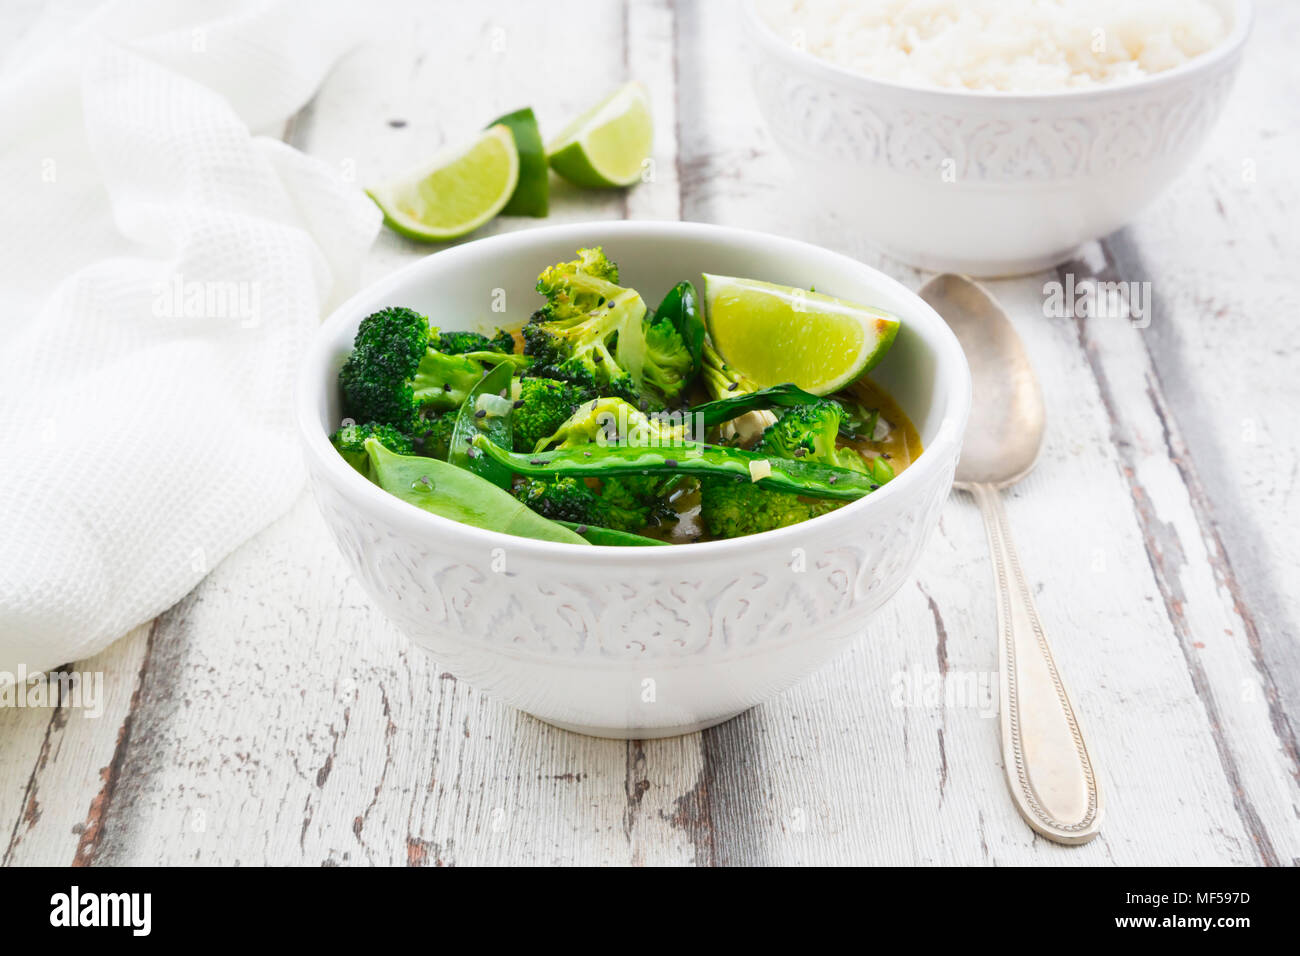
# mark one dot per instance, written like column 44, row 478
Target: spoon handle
column 1043, row 751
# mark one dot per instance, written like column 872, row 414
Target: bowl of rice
column 991, row 137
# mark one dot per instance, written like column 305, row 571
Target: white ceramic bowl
column 986, row 183
column 636, row 642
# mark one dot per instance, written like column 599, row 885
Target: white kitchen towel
column 162, row 269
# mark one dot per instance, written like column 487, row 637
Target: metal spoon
column 1043, row 751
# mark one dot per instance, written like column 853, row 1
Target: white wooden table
column 274, row 717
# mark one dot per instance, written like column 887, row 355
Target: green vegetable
column 809, row 433
column 589, row 332
column 394, row 372
column 486, row 410
column 350, row 442
column 681, row 307
column 731, row 509
column 613, row 420
column 859, row 422
column 541, row 407
column 722, row 380
column 432, row 434
column 460, row 495
column 648, row 493
column 458, row 343
column 609, row 537
column 600, row 336
column 674, row 338
column 725, row 382
column 740, row 403
column 689, row 458
column 569, row 499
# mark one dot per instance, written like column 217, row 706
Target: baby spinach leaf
column 776, row 396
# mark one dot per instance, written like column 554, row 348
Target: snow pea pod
column 456, row 493
column 608, row 536
column 689, row 458
column 472, row 420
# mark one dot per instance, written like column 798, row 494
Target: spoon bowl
column 1005, row 432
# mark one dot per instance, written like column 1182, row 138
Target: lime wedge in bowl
column 777, row 334
column 455, row 192
column 608, row 145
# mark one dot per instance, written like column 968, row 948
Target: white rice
column 1007, row 45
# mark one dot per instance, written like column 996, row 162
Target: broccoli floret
column 732, row 509
column 570, row 499
column 589, row 332
column 613, row 421
column 577, row 287
column 668, row 366
column 433, row 434
column 350, row 441
column 810, row 431
column 599, row 335
column 394, row 372
column 541, row 406
column 650, row 492
column 458, row 343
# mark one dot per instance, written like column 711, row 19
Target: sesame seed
column 582, row 529
column 519, row 404
column 598, row 358
column 832, row 479
column 671, row 462
column 536, row 461
column 481, row 413
column 733, row 386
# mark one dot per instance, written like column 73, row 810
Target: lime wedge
column 454, row 193
column 532, row 195
column 776, row 334
column 607, row 145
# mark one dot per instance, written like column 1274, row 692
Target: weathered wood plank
column 61, row 763
column 1219, row 250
